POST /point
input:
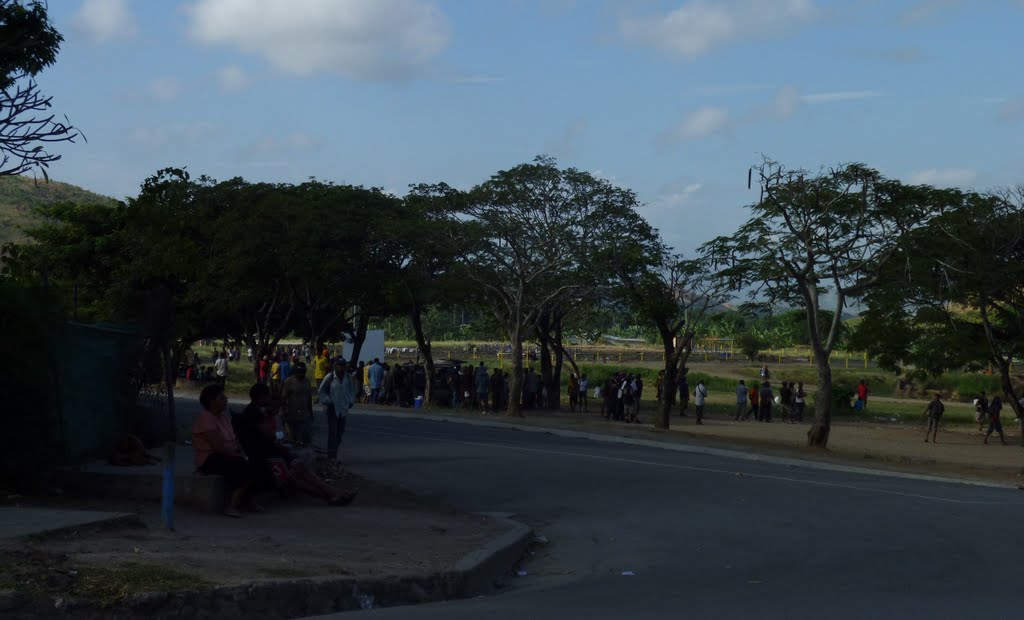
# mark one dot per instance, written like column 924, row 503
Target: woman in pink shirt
column 217, row 452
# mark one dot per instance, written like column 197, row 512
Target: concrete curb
column 683, row 447
column 102, row 521
column 123, row 520
column 479, row 572
column 484, row 568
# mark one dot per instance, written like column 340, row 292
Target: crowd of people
column 285, row 396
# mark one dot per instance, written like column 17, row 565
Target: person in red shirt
column 862, row 395
column 265, row 370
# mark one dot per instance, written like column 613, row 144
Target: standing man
column 700, row 394
column 320, row 367
column 741, row 399
column 786, row 402
column 766, row 399
column 497, row 385
column 481, row 381
column 375, row 377
column 220, row 369
column 286, row 367
column 994, row 423
column 753, row 395
column 684, row 393
column 584, row 384
column 934, row 411
column 337, row 394
column 862, row 395
column 275, row 375
column 297, row 399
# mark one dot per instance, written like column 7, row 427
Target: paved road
column 705, row 536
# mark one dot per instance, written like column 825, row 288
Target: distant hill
column 19, row 195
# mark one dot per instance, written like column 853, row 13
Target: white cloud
column 950, row 177
column 842, row 95
column 677, row 194
column 164, row 89
column 1010, row 110
column 699, row 26
column 787, row 100
column 700, row 123
column 361, row 39
column 104, row 20
column 565, row 145
column 786, row 103
column 233, row 79
column 295, row 142
column 908, row 54
column 176, row 135
column 927, row 9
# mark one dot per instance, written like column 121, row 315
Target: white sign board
column 373, row 347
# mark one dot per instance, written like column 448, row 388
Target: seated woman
column 217, row 451
column 255, row 430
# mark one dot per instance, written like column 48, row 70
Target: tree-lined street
column 704, row 536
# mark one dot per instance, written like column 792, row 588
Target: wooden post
column 865, row 359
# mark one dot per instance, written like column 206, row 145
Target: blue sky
column 673, row 99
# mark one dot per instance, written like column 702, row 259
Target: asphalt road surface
column 703, row 536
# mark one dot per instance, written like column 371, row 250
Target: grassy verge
column 40, row 573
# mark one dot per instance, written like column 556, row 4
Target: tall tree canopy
column 815, row 239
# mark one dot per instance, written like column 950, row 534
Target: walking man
column 336, row 393
column 934, row 412
column 994, row 423
column 297, row 399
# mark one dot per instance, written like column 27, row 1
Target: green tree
column 952, row 296
column 812, row 239
column 525, row 233
column 429, row 275
column 749, row 344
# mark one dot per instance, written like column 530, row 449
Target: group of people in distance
column 759, row 400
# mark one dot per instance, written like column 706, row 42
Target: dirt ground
column 384, row 532
column 959, row 452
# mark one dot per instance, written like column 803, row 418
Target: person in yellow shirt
column 320, row 363
column 275, row 375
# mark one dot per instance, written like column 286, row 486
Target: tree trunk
column 1008, row 391
column 359, row 337
column 515, row 383
column 170, row 375
column 545, row 367
column 668, row 387
column 555, row 391
column 817, row 436
column 416, row 318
